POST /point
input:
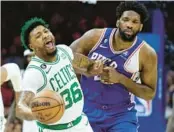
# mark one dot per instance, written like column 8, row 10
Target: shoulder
column 33, row 71
column 34, row 79
column 87, row 41
column 148, row 51
column 94, row 34
column 147, row 56
column 66, row 49
column 63, row 46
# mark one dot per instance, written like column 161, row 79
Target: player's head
column 130, row 18
column 36, row 36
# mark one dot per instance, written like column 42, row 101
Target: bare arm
column 30, row 85
column 81, row 48
column 147, row 88
column 83, row 65
column 23, row 110
column 3, row 75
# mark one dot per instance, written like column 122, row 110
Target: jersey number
column 72, row 95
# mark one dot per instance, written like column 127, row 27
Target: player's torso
column 125, row 62
column 60, row 77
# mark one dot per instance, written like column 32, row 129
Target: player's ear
column 141, row 27
column 117, row 23
column 31, row 47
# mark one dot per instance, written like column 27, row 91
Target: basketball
column 47, row 107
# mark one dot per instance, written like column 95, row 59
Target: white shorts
column 82, row 126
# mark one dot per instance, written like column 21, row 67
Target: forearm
column 24, row 112
column 140, row 90
column 82, row 64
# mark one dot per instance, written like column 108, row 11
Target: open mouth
column 49, row 44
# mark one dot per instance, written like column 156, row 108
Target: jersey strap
column 107, row 35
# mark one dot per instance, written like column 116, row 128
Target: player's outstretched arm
column 85, row 66
column 148, row 64
column 81, row 48
column 32, row 81
column 23, row 110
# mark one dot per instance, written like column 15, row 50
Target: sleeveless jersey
column 60, row 77
column 125, row 62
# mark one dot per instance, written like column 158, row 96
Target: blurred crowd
column 68, row 21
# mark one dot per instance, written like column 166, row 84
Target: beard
column 52, row 53
column 125, row 37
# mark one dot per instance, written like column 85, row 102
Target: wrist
column 121, row 78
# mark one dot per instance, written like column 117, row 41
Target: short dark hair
column 27, row 27
column 135, row 6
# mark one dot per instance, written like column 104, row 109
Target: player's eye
column 136, row 22
column 125, row 19
column 46, row 31
column 38, row 36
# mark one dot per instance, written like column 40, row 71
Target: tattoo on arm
column 26, row 97
column 23, row 107
column 82, row 63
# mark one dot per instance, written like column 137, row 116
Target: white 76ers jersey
column 58, row 76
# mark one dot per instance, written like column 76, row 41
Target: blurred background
column 68, row 21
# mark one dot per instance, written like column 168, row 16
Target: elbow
column 150, row 96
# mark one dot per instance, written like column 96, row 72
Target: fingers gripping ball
column 48, row 107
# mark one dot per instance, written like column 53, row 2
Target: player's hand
column 96, row 68
column 110, row 76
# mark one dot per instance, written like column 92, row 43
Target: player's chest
column 60, row 75
column 121, row 61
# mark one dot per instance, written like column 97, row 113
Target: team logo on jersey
column 106, row 40
column 102, row 46
column 43, row 66
column 49, row 70
column 125, row 53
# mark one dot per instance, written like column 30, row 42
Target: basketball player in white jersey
column 11, row 72
column 52, row 68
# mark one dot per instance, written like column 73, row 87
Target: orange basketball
column 48, row 107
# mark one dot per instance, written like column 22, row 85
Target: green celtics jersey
column 58, row 76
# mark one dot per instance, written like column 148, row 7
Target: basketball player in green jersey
column 52, row 68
